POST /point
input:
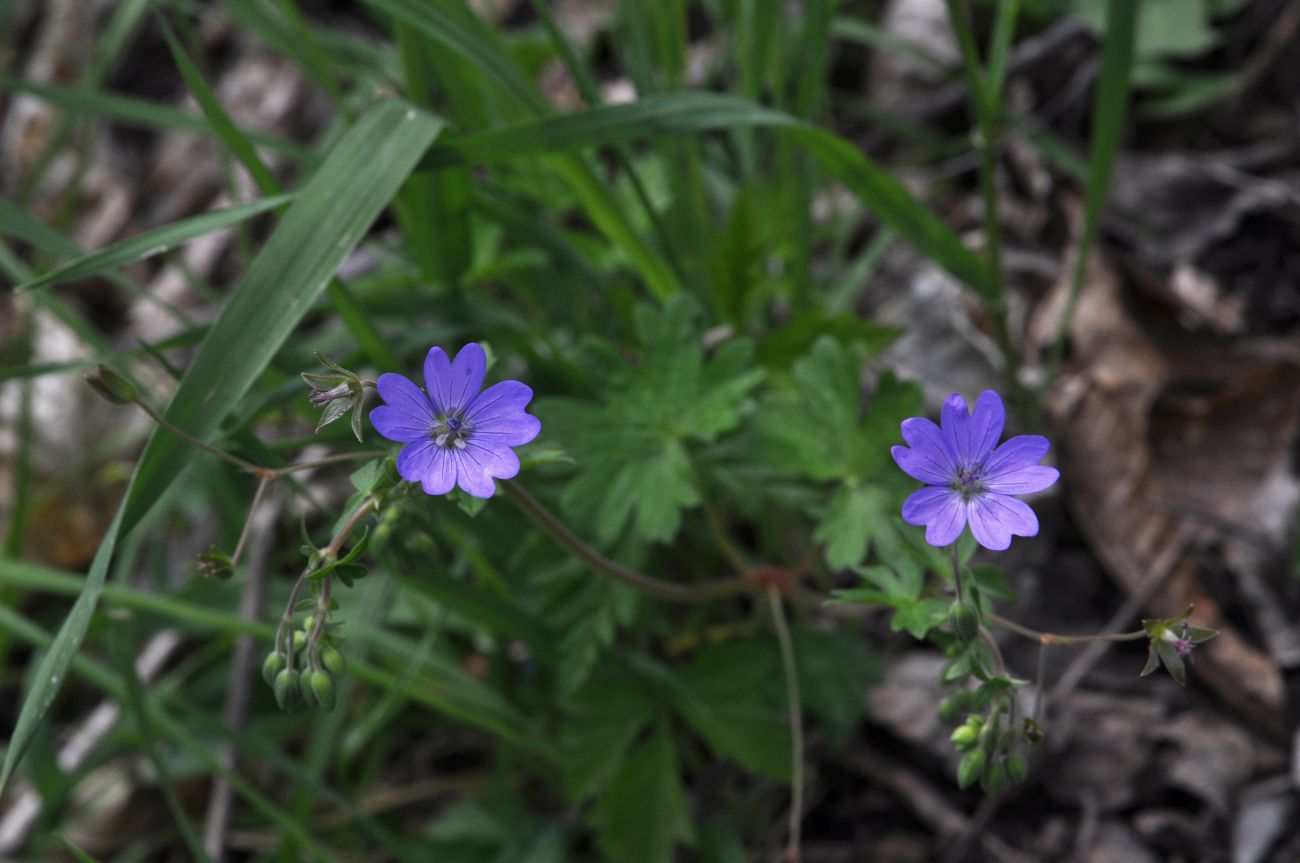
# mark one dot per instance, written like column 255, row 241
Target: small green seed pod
column 286, row 689
column 965, row 621
column 309, row 623
column 299, row 640
column 333, row 660
column 322, row 686
column 271, row 667
column 949, row 708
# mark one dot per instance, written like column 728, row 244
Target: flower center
column 451, row 430
column 968, row 482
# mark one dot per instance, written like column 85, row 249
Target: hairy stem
column 560, row 532
column 1053, row 638
column 956, row 571
column 796, row 721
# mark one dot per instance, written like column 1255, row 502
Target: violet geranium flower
column 968, row 480
column 455, row 434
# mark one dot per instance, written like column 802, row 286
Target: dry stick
column 796, row 721
column 693, row 593
column 238, row 692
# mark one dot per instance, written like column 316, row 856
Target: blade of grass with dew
column 1107, row 127
column 327, row 220
column 155, row 242
column 693, row 112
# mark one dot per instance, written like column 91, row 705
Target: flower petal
column 397, row 425
column 415, row 461
column 478, row 465
column 400, row 393
column 995, row 518
column 452, row 385
column 985, row 426
column 498, row 418
column 941, row 510
column 441, row 476
column 1022, row 480
column 972, row 436
column 1017, row 452
column 920, row 464
column 923, row 435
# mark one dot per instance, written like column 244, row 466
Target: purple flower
column 455, row 434
column 968, row 479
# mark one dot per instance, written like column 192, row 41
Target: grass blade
column 155, row 242
column 693, row 112
column 1107, row 127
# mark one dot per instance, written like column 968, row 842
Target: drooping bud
column 306, row 690
column 333, row 661
column 1017, row 768
column 965, row 620
column 271, row 667
column 111, row 385
column 964, row 738
column 322, row 686
column 971, row 768
column 286, row 689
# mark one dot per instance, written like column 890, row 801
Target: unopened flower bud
column 322, row 686
column 971, row 768
column 306, row 690
column 333, row 661
column 965, row 620
column 964, row 738
column 995, row 779
column 286, row 689
column 111, row 385
column 272, row 667
column 1017, row 768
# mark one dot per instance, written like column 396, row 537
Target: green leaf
column 631, row 445
column 856, row 516
column 644, row 814
column 723, row 698
column 835, row 670
column 329, row 217
column 606, row 717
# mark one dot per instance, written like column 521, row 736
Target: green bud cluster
column 988, row 745
column 304, row 674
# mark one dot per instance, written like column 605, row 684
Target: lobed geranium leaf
column 631, row 444
column 644, row 815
